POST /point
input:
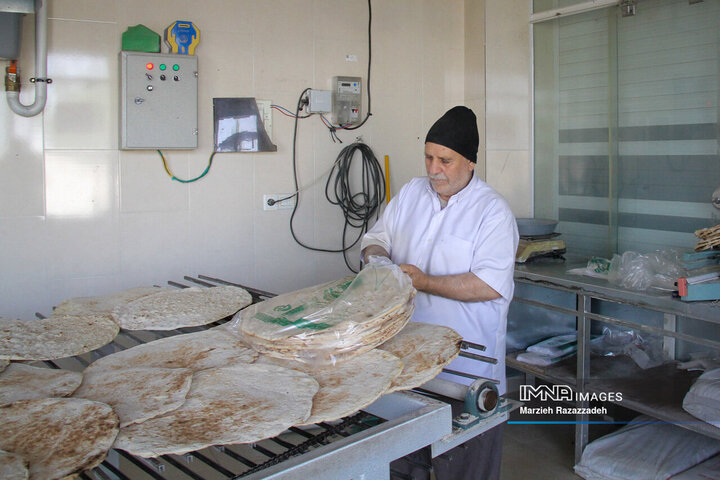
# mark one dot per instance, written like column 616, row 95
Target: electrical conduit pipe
column 13, row 97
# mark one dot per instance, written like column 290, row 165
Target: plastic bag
column 556, row 346
column 645, row 450
column 646, row 351
column 597, row 267
column 637, row 271
column 702, row 361
column 330, row 322
column 703, row 399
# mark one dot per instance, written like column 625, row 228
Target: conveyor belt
column 394, row 426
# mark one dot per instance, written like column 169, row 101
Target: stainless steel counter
column 553, row 272
column 657, row 391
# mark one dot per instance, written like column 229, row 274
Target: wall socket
column 287, row 204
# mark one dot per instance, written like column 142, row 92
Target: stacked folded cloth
column 550, row 350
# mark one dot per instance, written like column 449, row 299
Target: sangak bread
column 349, row 386
column 57, row 336
column 424, row 349
column 105, row 304
column 58, row 436
column 235, row 404
column 196, row 351
column 137, row 394
column 13, row 466
column 330, row 322
column 25, row 382
column 186, row 307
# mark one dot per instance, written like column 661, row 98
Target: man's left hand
column 466, row 287
column 418, row 277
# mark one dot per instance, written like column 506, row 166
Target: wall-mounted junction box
column 319, row 101
column 158, row 101
column 346, row 100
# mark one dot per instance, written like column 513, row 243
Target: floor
column 538, row 452
column 541, row 452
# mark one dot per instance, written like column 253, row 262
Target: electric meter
column 346, row 100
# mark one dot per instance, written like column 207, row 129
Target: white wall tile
column 509, row 174
column 81, row 183
column 508, row 75
column 96, row 10
column 153, row 246
column 21, row 165
column 23, row 276
column 156, row 229
column 146, row 187
column 82, row 105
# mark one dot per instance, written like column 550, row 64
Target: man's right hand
column 373, row 250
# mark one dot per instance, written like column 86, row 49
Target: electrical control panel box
column 347, row 99
column 158, row 101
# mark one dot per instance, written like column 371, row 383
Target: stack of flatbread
column 194, row 351
column 348, row 386
column 424, row 349
column 54, row 437
column 105, row 304
column 225, row 405
column 330, row 322
column 708, row 238
column 57, row 336
column 24, row 382
column 169, row 310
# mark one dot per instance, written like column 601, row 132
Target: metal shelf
column 657, row 392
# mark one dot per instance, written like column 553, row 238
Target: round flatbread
column 424, row 349
column 25, row 382
column 105, row 304
column 137, row 394
column 236, row 404
column 188, row 307
column 57, row 336
column 13, row 466
column 58, row 436
column 330, row 322
column 196, row 351
column 349, row 386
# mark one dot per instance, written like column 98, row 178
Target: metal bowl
column 535, row 227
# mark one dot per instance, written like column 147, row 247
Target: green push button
column 176, row 67
column 162, row 66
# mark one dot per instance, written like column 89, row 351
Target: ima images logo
column 555, row 393
column 564, row 393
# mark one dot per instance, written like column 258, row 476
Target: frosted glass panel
column 626, row 125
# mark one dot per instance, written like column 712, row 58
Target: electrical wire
column 358, row 208
column 167, row 169
column 369, row 109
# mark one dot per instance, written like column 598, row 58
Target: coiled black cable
column 358, row 208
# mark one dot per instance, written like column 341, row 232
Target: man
column 456, row 238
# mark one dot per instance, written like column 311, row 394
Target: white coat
column 476, row 232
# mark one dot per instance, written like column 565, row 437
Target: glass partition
column 626, row 125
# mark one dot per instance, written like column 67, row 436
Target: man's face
column 449, row 172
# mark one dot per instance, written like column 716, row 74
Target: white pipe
column 13, row 98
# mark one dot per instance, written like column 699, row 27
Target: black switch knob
column 162, row 77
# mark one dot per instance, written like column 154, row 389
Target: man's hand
column 418, row 277
column 466, row 287
column 371, row 250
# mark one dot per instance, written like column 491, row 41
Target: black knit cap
column 457, row 130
